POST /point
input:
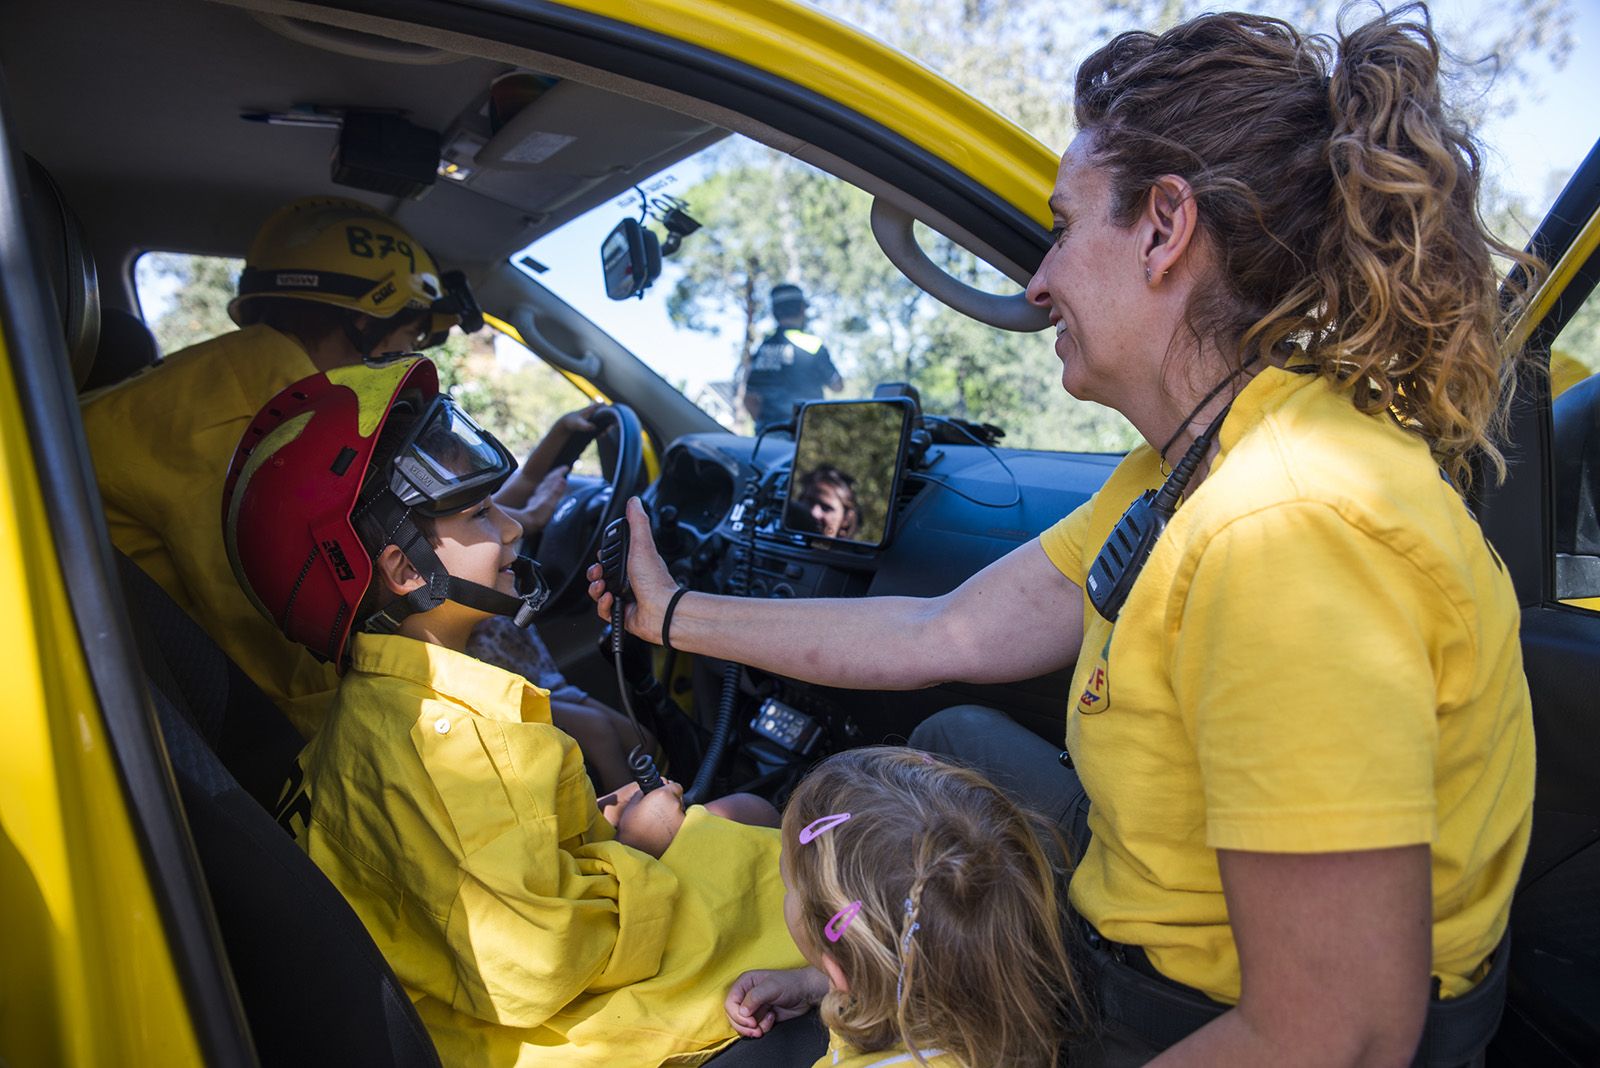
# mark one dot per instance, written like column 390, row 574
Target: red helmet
column 289, row 504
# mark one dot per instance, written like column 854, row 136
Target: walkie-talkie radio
column 614, row 572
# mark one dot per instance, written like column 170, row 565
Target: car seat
column 126, row 347
column 314, row 988
column 71, row 269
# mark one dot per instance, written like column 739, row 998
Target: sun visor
column 566, row 144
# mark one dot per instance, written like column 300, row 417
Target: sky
column 1528, row 152
column 1559, row 121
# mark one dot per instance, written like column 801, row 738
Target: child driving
column 525, row 920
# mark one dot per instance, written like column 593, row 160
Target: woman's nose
column 1036, row 292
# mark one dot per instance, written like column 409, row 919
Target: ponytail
column 1340, row 200
column 1408, row 280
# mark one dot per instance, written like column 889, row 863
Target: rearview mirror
column 631, row 257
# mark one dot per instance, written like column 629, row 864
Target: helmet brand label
column 383, row 293
column 300, row 280
column 341, row 566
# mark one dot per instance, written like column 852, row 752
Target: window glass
column 851, row 321
column 502, row 385
column 1575, row 386
column 184, row 297
column 508, row 390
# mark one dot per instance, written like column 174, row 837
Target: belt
column 1162, row 1011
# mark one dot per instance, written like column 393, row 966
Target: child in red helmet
column 524, row 919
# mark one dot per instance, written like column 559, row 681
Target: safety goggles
column 448, row 462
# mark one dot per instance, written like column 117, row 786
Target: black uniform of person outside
column 790, row 365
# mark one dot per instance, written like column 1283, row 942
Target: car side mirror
column 631, row 258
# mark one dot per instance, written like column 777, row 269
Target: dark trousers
column 797, row 1043
column 1030, row 771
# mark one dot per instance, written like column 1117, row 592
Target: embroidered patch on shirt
column 1096, row 696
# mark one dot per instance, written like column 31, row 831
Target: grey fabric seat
column 314, row 987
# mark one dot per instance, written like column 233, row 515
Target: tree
column 517, row 402
column 771, row 219
column 202, row 287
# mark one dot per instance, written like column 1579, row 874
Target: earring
column 1147, row 275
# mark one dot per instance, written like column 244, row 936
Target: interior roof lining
column 717, row 115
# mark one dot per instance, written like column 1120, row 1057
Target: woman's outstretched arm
column 1017, row 618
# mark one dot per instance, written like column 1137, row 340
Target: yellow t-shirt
column 842, row 1054
column 161, row 443
column 1321, row 655
column 461, row 827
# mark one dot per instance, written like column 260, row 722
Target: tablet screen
column 847, row 465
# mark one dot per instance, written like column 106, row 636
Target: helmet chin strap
column 364, row 341
column 441, row 586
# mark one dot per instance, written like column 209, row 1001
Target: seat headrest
column 70, row 266
column 126, row 348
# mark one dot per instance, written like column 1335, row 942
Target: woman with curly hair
column 1298, row 707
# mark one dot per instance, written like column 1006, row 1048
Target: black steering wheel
column 571, row 539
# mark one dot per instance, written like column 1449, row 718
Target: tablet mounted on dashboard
column 849, row 458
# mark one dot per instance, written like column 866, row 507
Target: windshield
column 783, row 295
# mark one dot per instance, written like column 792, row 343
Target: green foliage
column 199, row 310
column 1580, row 338
column 769, row 219
column 516, row 401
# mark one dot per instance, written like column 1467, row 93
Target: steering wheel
column 571, row 539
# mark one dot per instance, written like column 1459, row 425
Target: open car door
column 1543, row 522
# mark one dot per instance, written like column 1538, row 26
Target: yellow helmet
column 342, row 252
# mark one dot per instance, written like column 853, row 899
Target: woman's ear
column 835, row 974
column 395, row 571
column 1170, row 221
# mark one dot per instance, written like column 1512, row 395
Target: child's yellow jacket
column 460, row 825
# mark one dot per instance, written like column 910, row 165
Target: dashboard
column 965, row 506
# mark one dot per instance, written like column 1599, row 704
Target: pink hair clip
column 821, row 825
column 834, row 928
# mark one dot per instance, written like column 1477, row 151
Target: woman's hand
column 758, row 1000
column 652, row 585
column 651, row 821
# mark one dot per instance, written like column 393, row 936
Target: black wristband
column 666, row 620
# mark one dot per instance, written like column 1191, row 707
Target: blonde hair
column 1340, row 201
column 984, row 974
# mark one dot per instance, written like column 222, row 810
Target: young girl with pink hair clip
column 929, row 912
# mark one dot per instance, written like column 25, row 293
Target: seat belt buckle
column 1099, row 943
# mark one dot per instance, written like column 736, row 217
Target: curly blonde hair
column 1340, row 200
column 985, row 973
